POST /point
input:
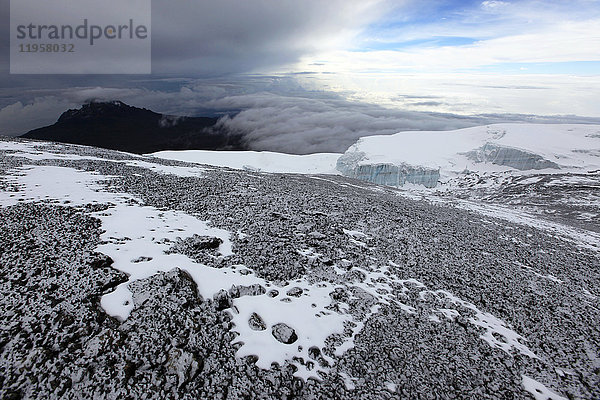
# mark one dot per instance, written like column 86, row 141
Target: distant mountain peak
column 119, row 126
column 96, row 108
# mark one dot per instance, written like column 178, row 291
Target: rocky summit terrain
column 126, row 277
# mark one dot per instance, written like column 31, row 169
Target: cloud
column 231, row 36
column 18, row 118
column 272, row 113
column 493, row 4
column 444, row 37
column 314, row 40
column 286, row 118
column 428, row 103
column 566, row 42
column 202, row 38
column 470, row 93
column 418, row 20
column 305, row 125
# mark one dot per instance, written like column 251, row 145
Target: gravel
column 57, row 342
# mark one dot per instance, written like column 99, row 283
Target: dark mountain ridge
column 118, row 126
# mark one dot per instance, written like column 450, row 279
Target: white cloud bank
column 19, row 118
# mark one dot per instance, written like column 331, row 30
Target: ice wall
column 510, row 157
column 430, row 157
column 387, row 174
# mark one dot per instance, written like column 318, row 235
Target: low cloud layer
column 304, row 125
column 308, row 125
column 272, row 113
column 19, row 118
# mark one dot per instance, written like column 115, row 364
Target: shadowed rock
column 256, row 322
column 284, row 333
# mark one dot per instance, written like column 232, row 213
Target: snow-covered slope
column 425, row 158
column 264, row 161
column 244, row 284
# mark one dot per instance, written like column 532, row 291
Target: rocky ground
column 571, row 199
column 438, row 302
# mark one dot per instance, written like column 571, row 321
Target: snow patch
column 32, row 151
column 258, row 161
column 348, row 381
column 539, row 391
column 497, row 334
column 134, row 233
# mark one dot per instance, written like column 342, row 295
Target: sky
column 310, row 75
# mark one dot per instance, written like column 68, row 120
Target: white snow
column 306, row 314
column 492, row 325
column 551, row 278
column 492, row 148
column 356, row 234
column 34, row 151
column 183, row 172
column 309, row 253
column 424, row 157
column 580, row 237
column 134, row 231
column 145, row 230
column 359, row 235
column 58, row 185
column 348, row 381
column 258, row 161
column 136, row 237
column 539, row 391
column 380, row 283
column 449, row 313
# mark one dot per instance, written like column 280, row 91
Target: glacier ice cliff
column 430, row 158
column 510, row 157
column 387, row 174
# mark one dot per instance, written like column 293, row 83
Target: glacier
column 386, row 173
column 424, row 159
column 427, row 158
column 510, row 157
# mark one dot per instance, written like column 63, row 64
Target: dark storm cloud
column 4, row 36
column 228, row 36
column 200, row 38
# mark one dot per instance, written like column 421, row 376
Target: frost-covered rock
column 252, row 290
column 256, row 322
column 284, row 333
column 388, row 286
column 222, row 299
column 295, row 292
